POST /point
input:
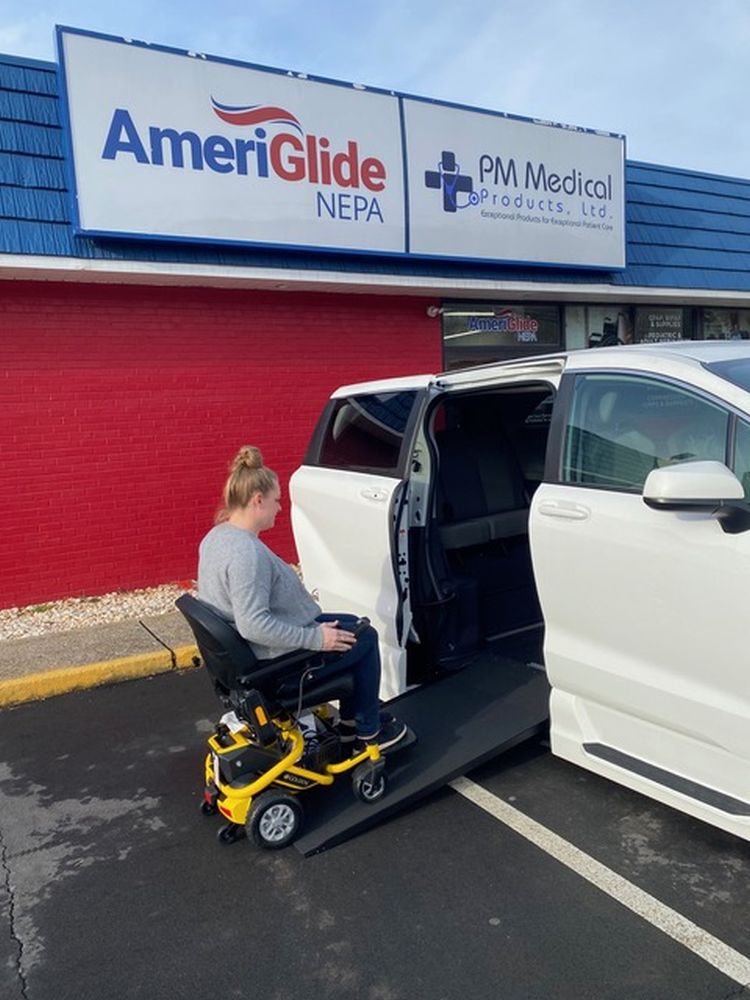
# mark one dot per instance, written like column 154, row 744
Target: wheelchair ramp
column 460, row 721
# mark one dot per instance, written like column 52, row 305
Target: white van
column 585, row 514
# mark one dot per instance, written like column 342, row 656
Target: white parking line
column 731, row 963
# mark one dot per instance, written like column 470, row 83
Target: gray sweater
column 258, row 592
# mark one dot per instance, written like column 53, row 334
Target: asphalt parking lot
column 113, row 885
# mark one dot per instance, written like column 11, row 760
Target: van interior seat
column 482, row 492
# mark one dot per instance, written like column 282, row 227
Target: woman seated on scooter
column 263, row 597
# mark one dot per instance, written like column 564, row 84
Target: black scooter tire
column 275, row 820
column 368, row 783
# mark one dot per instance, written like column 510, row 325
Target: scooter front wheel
column 368, row 783
column 275, row 820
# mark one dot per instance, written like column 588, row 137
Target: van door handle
column 566, row 509
column 373, row 493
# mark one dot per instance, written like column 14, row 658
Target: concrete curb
column 63, row 680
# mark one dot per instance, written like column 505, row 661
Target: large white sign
column 486, row 186
column 172, row 145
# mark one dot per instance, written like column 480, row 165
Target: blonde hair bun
column 248, row 457
column 247, row 476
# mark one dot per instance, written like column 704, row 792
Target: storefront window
column 657, row 324
column 607, row 326
column 478, row 333
column 726, row 324
column 475, row 334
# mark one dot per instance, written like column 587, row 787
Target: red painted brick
column 122, row 406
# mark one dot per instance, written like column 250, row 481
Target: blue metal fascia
column 685, row 229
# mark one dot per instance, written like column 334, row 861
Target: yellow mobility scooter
column 264, row 752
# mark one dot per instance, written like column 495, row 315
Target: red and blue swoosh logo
column 255, row 114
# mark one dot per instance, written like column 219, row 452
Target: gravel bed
column 82, row 612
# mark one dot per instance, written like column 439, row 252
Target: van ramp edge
column 460, row 721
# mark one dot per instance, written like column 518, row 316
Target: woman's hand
column 335, row 639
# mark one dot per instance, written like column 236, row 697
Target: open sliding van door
column 461, row 716
column 349, row 499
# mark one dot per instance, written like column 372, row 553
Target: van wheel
column 275, row 820
column 368, row 784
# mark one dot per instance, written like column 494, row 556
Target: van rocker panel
column 693, row 789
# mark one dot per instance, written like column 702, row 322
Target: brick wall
column 120, row 408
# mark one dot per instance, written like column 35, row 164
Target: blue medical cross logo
column 449, row 177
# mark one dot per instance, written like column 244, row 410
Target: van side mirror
column 699, row 488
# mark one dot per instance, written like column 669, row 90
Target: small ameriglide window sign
column 172, row 145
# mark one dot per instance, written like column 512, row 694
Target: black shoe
column 390, row 733
column 347, row 731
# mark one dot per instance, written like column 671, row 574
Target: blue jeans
column 363, row 704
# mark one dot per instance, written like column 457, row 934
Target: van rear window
column 366, row 432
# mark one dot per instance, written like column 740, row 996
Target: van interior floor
column 460, row 721
column 526, row 645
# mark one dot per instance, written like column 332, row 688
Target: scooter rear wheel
column 275, row 820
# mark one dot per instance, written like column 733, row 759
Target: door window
column 741, row 466
column 366, row 432
column 622, row 427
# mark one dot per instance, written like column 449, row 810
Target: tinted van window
column 733, row 371
column 621, row 428
column 741, row 467
column 366, row 432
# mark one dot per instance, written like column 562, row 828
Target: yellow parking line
column 62, row 680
